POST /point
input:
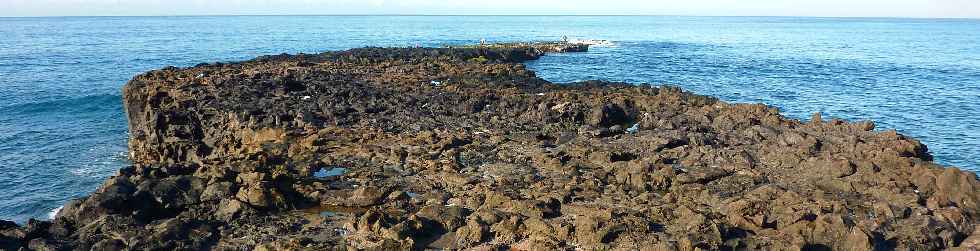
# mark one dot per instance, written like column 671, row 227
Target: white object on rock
column 633, row 129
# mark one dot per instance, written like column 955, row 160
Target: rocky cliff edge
column 390, row 148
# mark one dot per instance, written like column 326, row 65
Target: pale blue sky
column 837, row 8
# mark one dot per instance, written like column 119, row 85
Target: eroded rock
column 459, row 148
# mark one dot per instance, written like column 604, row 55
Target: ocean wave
column 54, row 212
column 81, row 104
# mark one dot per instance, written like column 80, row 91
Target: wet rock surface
column 466, row 149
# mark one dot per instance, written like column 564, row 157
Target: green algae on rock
column 441, row 151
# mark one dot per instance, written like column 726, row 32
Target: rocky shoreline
column 464, row 148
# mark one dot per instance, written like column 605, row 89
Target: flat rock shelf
column 464, row 148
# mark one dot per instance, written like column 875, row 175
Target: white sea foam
column 593, row 42
column 54, row 212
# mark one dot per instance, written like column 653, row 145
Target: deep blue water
column 62, row 129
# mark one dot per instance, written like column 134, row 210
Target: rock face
column 387, row 149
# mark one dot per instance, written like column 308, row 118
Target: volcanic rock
column 459, row 148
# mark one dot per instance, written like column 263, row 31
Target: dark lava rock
column 459, row 148
column 608, row 115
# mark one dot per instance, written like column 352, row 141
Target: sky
column 826, row 8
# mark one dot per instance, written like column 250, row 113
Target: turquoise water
column 62, row 129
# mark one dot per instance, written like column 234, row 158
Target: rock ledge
column 464, row 148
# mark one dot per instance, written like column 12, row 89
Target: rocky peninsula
column 465, row 148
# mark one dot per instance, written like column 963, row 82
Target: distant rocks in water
column 557, row 47
column 248, row 155
column 592, row 42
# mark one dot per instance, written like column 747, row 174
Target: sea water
column 63, row 131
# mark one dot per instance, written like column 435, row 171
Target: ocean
column 63, row 131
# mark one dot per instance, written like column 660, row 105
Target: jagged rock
column 395, row 148
column 11, row 236
column 40, row 244
column 172, row 192
column 608, row 115
column 218, row 191
column 367, row 196
column 473, row 233
column 229, row 209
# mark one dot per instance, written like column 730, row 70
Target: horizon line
column 492, row 15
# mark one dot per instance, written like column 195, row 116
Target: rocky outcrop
column 384, row 149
